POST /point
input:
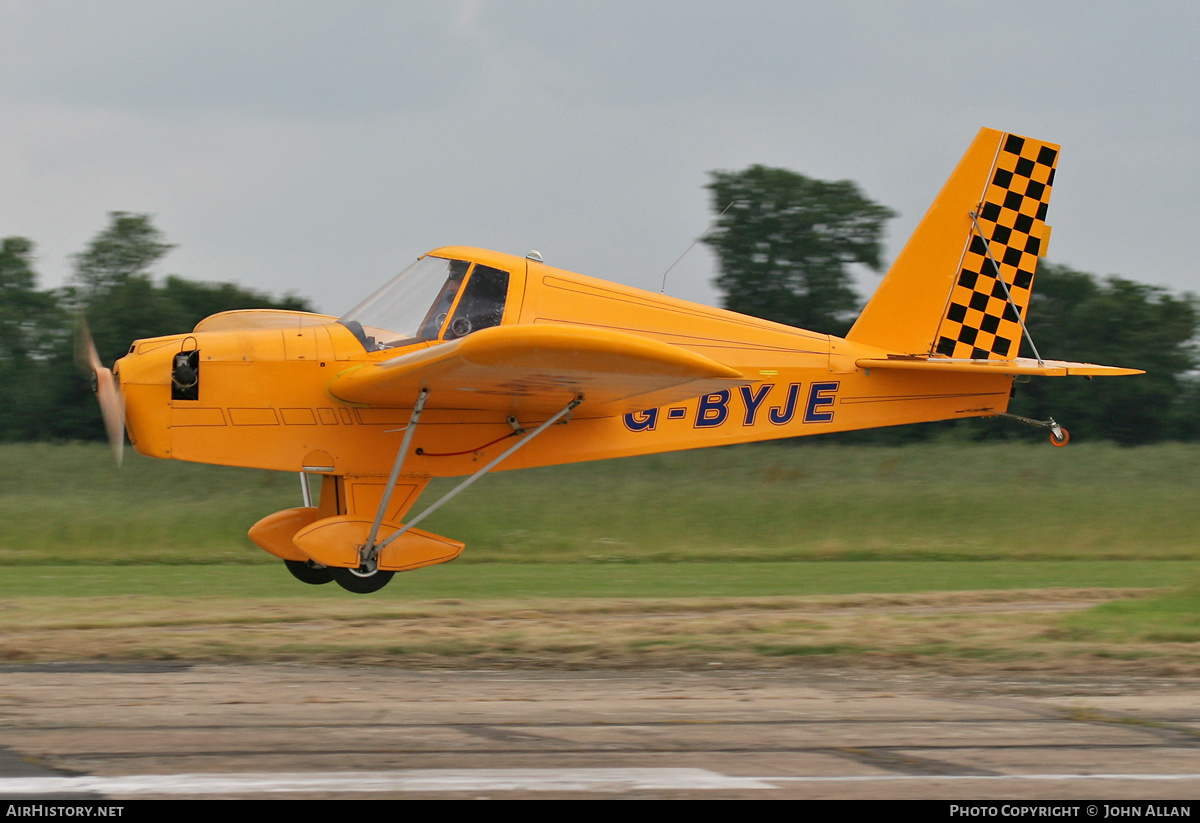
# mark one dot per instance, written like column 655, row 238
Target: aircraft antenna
column 704, row 234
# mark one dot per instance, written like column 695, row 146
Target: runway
column 124, row 732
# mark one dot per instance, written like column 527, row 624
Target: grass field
column 518, row 581
column 1010, row 553
column 771, row 502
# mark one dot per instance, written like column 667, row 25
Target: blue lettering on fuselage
column 782, row 415
column 712, row 410
column 753, row 400
column 643, row 421
column 820, row 397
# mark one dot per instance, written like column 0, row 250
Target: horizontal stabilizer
column 539, row 369
column 1021, row 365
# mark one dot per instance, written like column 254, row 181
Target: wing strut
column 370, row 550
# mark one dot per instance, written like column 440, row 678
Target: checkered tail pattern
column 979, row 322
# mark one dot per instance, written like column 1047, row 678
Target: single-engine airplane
column 470, row 359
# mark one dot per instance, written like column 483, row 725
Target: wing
column 539, row 369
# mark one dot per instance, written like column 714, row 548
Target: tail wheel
column 306, row 571
column 1061, row 439
column 360, row 581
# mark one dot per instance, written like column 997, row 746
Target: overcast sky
column 319, row 147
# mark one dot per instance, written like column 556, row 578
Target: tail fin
column 941, row 296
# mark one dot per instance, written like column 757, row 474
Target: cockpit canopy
column 429, row 301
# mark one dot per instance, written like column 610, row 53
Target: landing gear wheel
column 306, row 571
column 1061, row 439
column 360, row 582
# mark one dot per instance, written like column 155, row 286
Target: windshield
column 411, row 308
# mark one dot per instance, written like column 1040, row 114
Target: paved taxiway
column 303, row 731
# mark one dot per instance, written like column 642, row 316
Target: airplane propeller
column 104, row 384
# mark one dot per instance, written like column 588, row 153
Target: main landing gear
column 306, row 571
column 361, row 581
column 339, row 530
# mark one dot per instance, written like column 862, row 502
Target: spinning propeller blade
column 104, row 384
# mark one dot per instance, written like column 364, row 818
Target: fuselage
column 262, row 392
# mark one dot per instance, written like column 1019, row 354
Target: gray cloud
column 318, row 147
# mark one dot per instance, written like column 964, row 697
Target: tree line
column 43, row 394
column 786, row 245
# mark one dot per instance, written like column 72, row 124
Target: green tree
column 113, row 285
column 787, row 242
column 1074, row 316
column 123, row 251
column 33, row 329
column 24, row 311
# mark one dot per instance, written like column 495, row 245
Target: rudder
column 941, row 296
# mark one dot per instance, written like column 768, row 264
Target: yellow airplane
column 470, row 359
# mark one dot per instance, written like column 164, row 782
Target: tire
column 306, row 571
column 1060, row 442
column 352, row 580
